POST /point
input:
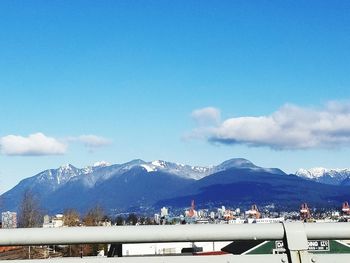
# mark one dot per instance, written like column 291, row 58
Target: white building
column 221, row 212
column 9, row 219
column 164, row 212
column 212, row 215
column 157, row 218
column 52, row 222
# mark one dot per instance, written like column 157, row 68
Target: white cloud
column 39, row 144
column 206, row 116
column 92, row 141
column 34, row 144
column 290, row 127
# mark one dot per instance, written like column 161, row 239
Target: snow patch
column 147, row 167
column 159, row 163
column 65, row 167
column 324, row 175
column 87, row 170
column 312, row 173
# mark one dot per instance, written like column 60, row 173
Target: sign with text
column 313, row 245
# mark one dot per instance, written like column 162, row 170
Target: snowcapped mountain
column 55, row 178
column 181, row 170
column 324, row 175
column 199, row 172
column 135, row 183
column 58, row 176
column 138, row 186
column 89, row 176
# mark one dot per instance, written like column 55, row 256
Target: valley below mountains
column 140, row 186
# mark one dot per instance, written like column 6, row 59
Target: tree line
column 30, row 214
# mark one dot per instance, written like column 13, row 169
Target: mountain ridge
column 147, row 185
column 335, row 176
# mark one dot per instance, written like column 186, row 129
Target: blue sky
column 119, row 80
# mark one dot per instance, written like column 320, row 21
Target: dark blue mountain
column 244, row 186
column 143, row 186
column 135, row 188
column 116, row 187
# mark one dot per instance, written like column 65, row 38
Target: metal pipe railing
column 177, row 233
column 139, row 234
column 327, row 230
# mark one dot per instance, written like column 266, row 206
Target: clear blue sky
column 132, row 72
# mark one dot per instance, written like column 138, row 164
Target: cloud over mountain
column 34, row 144
column 290, row 127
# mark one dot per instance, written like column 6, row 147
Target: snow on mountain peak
column 200, row 169
column 65, row 167
column 159, row 163
column 315, row 172
column 57, row 177
column 101, row 171
column 324, row 175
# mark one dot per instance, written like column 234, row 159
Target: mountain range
column 147, row 186
column 326, row 176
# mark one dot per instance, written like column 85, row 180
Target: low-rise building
column 9, row 219
column 54, row 221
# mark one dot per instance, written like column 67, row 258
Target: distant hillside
column 246, row 186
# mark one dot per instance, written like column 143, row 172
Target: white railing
column 295, row 236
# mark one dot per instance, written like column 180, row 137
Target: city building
column 164, row 212
column 156, row 218
column 9, row 219
column 52, row 222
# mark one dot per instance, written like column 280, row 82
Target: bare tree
column 94, row 216
column 71, row 217
column 29, row 214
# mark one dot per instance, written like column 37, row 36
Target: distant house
column 54, row 221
